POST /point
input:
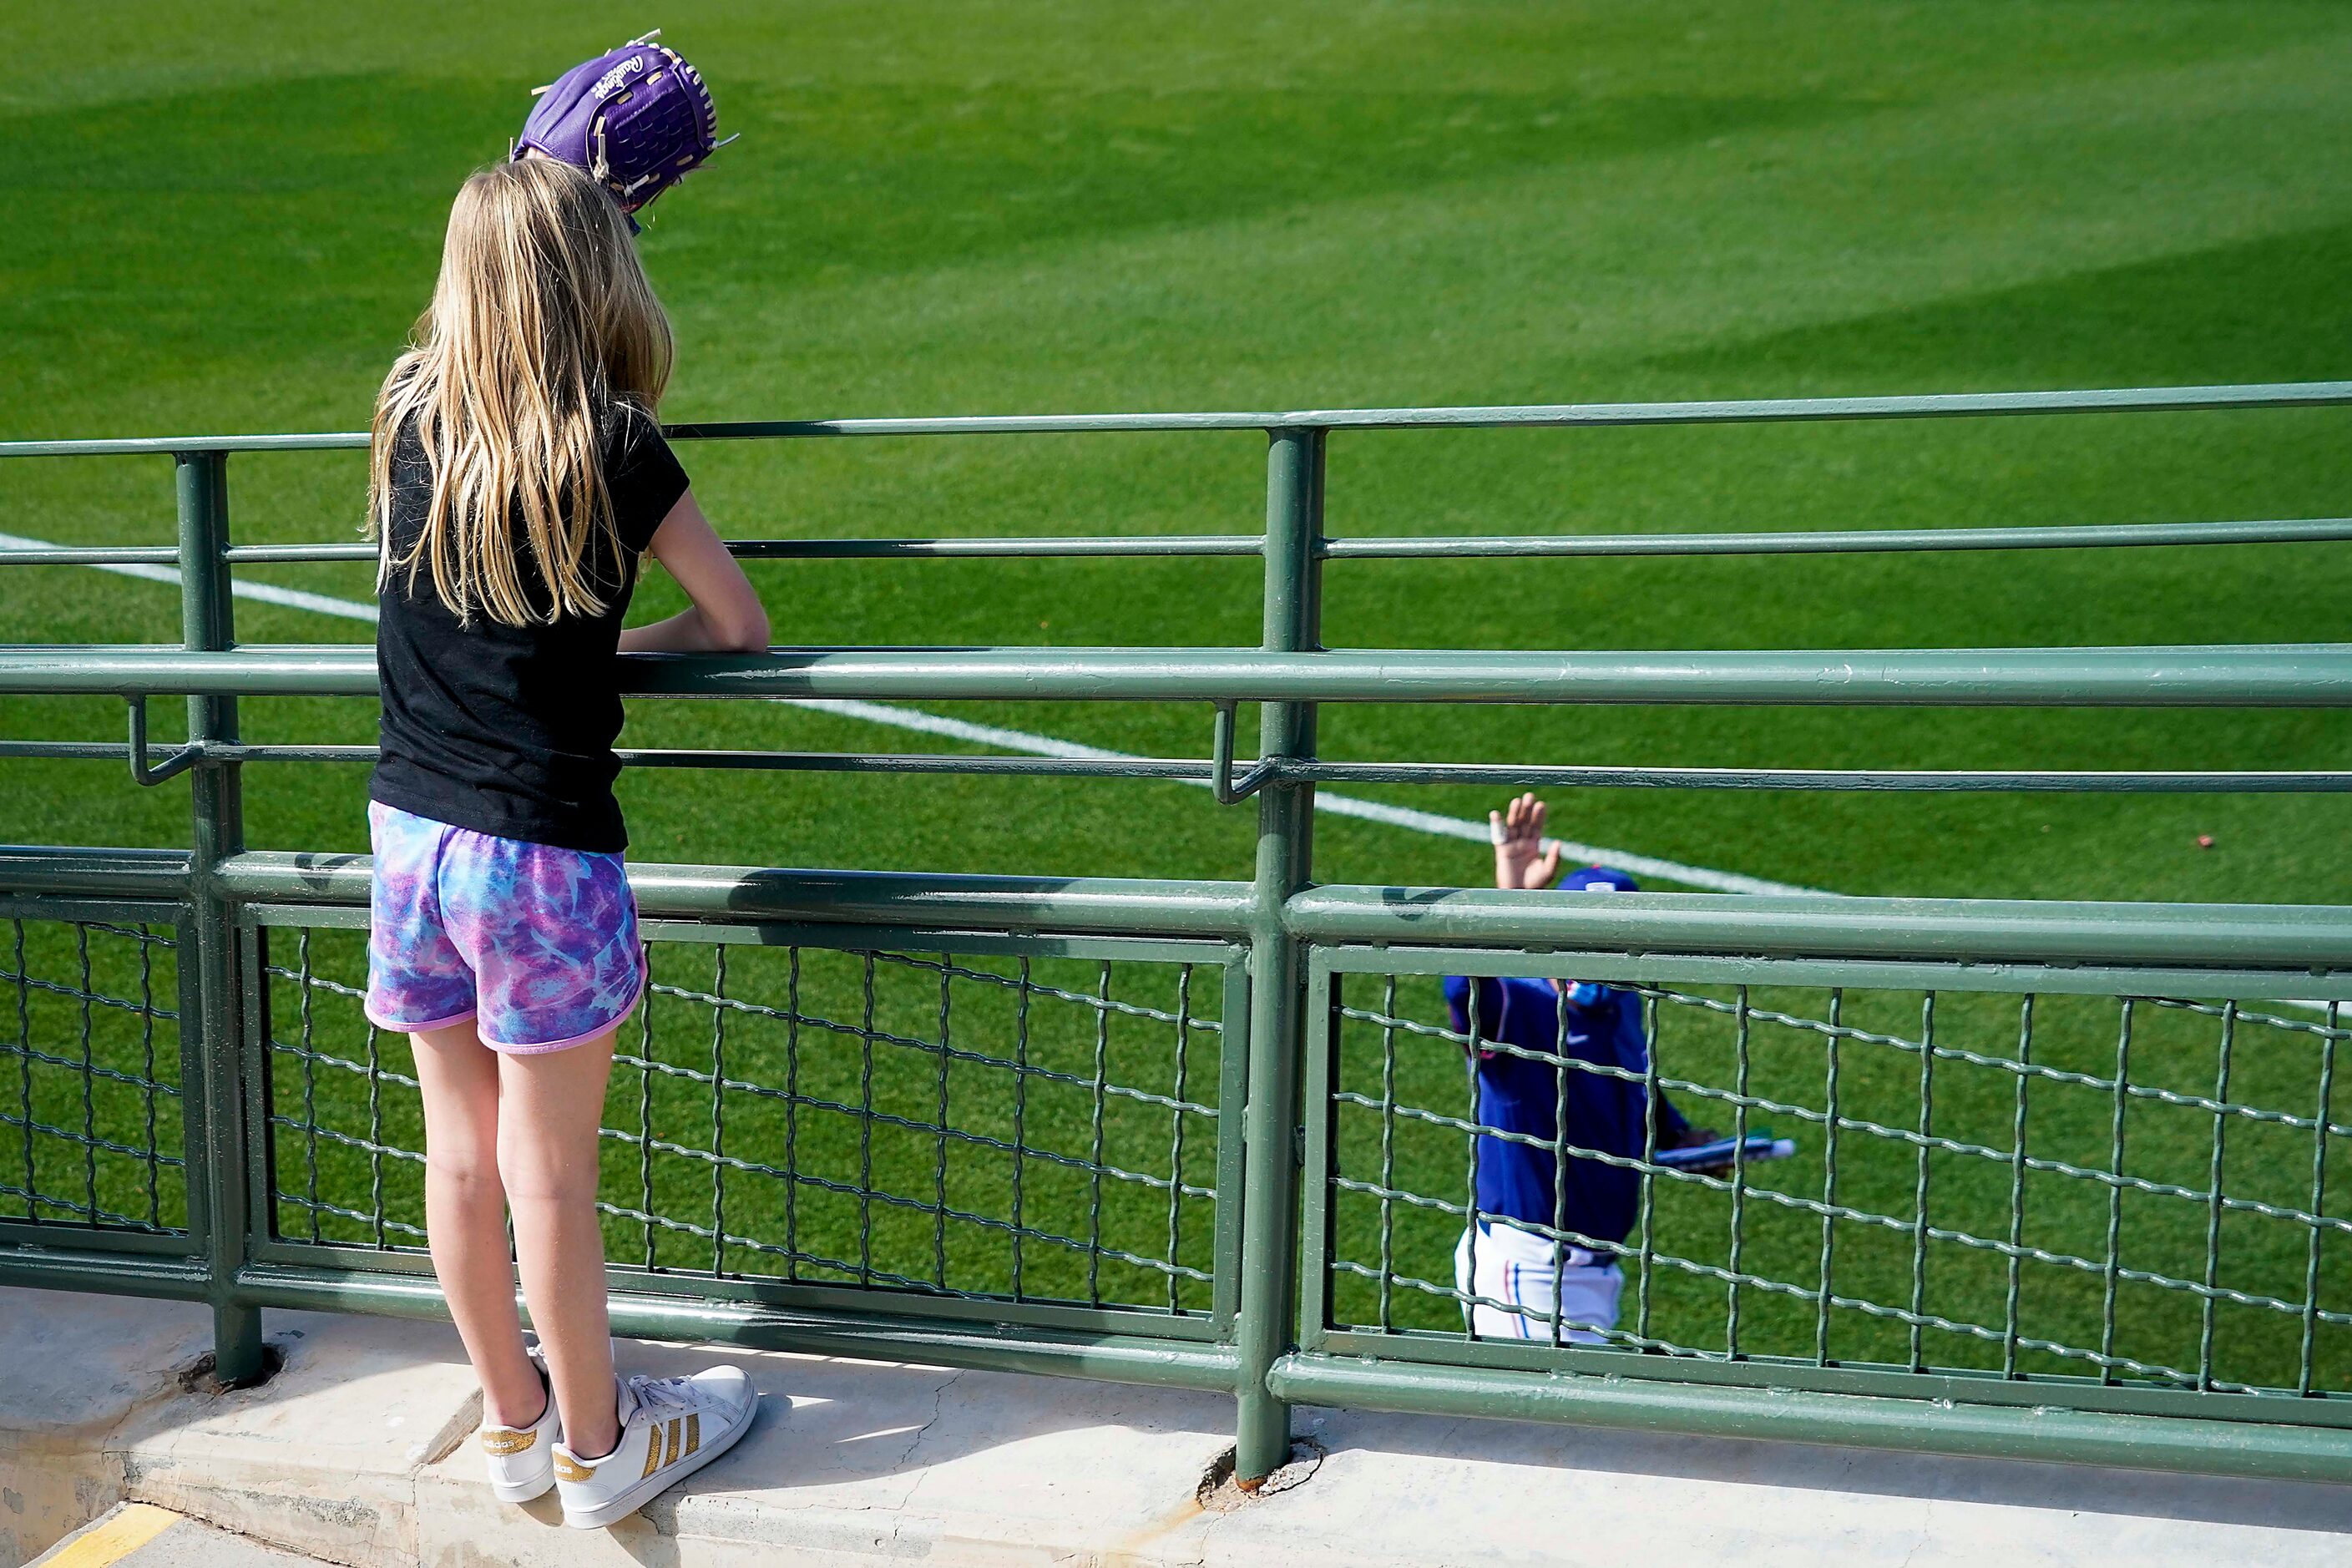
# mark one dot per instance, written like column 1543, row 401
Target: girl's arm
column 725, row 616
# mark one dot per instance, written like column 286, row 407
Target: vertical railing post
column 217, row 810
column 1285, row 820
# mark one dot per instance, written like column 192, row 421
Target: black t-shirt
column 509, row 729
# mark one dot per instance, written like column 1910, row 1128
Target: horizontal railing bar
column 917, row 762
column 2273, row 1449
column 169, row 556
column 2286, row 394
column 2307, row 675
column 1200, row 770
column 1782, row 410
column 76, row 871
column 1818, row 542
column 1814, row 541
column 2212, row 936
column 83, row 1258
column 1843, row 542
column 1705, row 412
column 1042, row 546
column 257, row 554
column 871, row 1335
column 1987, row 930
column 172, row 446
column 1894, row 1380
column 925, row 762
column 93, row 556
column 162, row 751
column 1569, row 776
column 1107, row 904
column 2164, row 984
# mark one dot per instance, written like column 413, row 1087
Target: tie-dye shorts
column 537, row 944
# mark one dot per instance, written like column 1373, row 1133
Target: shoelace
column 665, row 1393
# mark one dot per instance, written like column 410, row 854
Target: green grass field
column 227, row 217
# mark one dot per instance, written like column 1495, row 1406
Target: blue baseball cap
column 1592, row 879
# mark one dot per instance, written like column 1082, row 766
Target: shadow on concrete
column 2069, row 1489
column 365, row 1412
column 827, row 1422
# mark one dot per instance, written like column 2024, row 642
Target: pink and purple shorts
column 537, row 944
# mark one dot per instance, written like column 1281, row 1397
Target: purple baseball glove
column 638, row 120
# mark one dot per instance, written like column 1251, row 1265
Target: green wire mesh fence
column 2063, row 1185
column 2034, row 1187
column 89, row 1035
column 1008, row 1129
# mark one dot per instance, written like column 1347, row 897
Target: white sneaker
column 521, row 1459
column 670, row 1427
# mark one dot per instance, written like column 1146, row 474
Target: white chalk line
column 293, row 598
column 1021, row 740
column 1325, row 800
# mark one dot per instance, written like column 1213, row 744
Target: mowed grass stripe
column 1776, row 228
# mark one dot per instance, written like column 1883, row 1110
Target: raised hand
column 1521, row 859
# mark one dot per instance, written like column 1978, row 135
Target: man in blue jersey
column 1515, row 1276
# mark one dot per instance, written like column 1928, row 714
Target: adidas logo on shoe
column 521, row 1459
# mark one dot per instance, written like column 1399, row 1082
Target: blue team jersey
column 1518, row 1095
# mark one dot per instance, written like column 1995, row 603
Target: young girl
column 516, row 476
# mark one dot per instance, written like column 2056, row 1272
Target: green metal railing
column 2068, row 1184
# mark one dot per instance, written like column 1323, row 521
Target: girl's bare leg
column 552, row 1103
column 465, row 1218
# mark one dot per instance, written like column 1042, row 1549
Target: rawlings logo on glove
column 610, row 82
column 638, row 120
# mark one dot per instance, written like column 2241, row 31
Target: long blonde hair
column 541, row 326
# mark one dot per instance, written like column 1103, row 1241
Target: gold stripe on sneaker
column 508, row 1439
column 653, row 1451
column 671, row 1456
column 693, row 1432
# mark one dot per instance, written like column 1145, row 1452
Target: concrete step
column 357, row 1453
column 140, row 1535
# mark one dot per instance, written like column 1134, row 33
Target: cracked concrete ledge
column 355, row 1454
